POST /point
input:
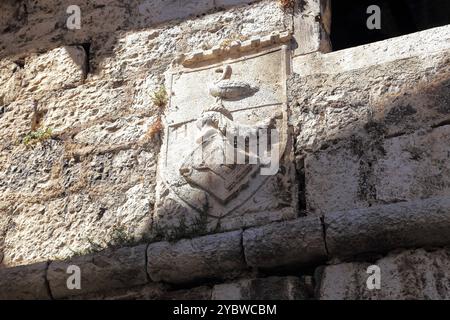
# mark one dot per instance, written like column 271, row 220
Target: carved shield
column 251, row 88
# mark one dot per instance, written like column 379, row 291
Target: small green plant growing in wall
column 37, row 136
column 160, row 97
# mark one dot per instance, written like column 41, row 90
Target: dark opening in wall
column 87, row 66
column 398, row 17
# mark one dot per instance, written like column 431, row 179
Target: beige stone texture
column 93, row 183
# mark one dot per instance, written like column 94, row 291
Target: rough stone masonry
column 95, row 126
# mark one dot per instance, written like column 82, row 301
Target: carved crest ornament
column 226, row 132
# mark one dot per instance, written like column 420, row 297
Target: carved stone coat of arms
column 226, row 153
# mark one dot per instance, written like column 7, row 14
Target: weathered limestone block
column 212, row 256
column 107, row 270
column 408, row 275
column 30, row 170
column 10, row 81
column 381, row 77
column 69, row 111
column 361, row 172
column 293, row 243
column 420, row 223
column 415, row 166
column 348, row 141
column 120, row 131
column 272, row 288
column 152, row 12
column 76, row 109
column 57, row 69
column 41, row 26
column 60, row 68
column 332, row 180
column 155, row 12
column 24, row 282
column 61, row 227
column 15, row 123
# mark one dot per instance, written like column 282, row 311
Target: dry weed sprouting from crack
column 287, row 4
column 155, row 129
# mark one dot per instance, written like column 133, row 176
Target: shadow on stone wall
column 39, row 26
column 369, row 146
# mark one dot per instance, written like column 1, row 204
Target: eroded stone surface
column 292, row 243
column 116, row 209
column 420, row 223
column 354, row 115
column 24, row 283
column 272, row 288
column 415, row 166
column 112, row 269
column 214, row 256
column 60, row 68
column 408, row 275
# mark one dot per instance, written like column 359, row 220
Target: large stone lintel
column 24, row 282
column 213, row 256
column 421, row 223
column 107, row 270
column 293, row 243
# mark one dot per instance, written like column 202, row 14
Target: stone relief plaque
column 209, row 170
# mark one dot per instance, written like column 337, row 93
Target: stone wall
column 369, row 128
column 92, row 184
column 277, row 261
column 371, row 122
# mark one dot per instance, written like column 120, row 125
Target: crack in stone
column 147, row 272
column 324, row 234
column 47, row 282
